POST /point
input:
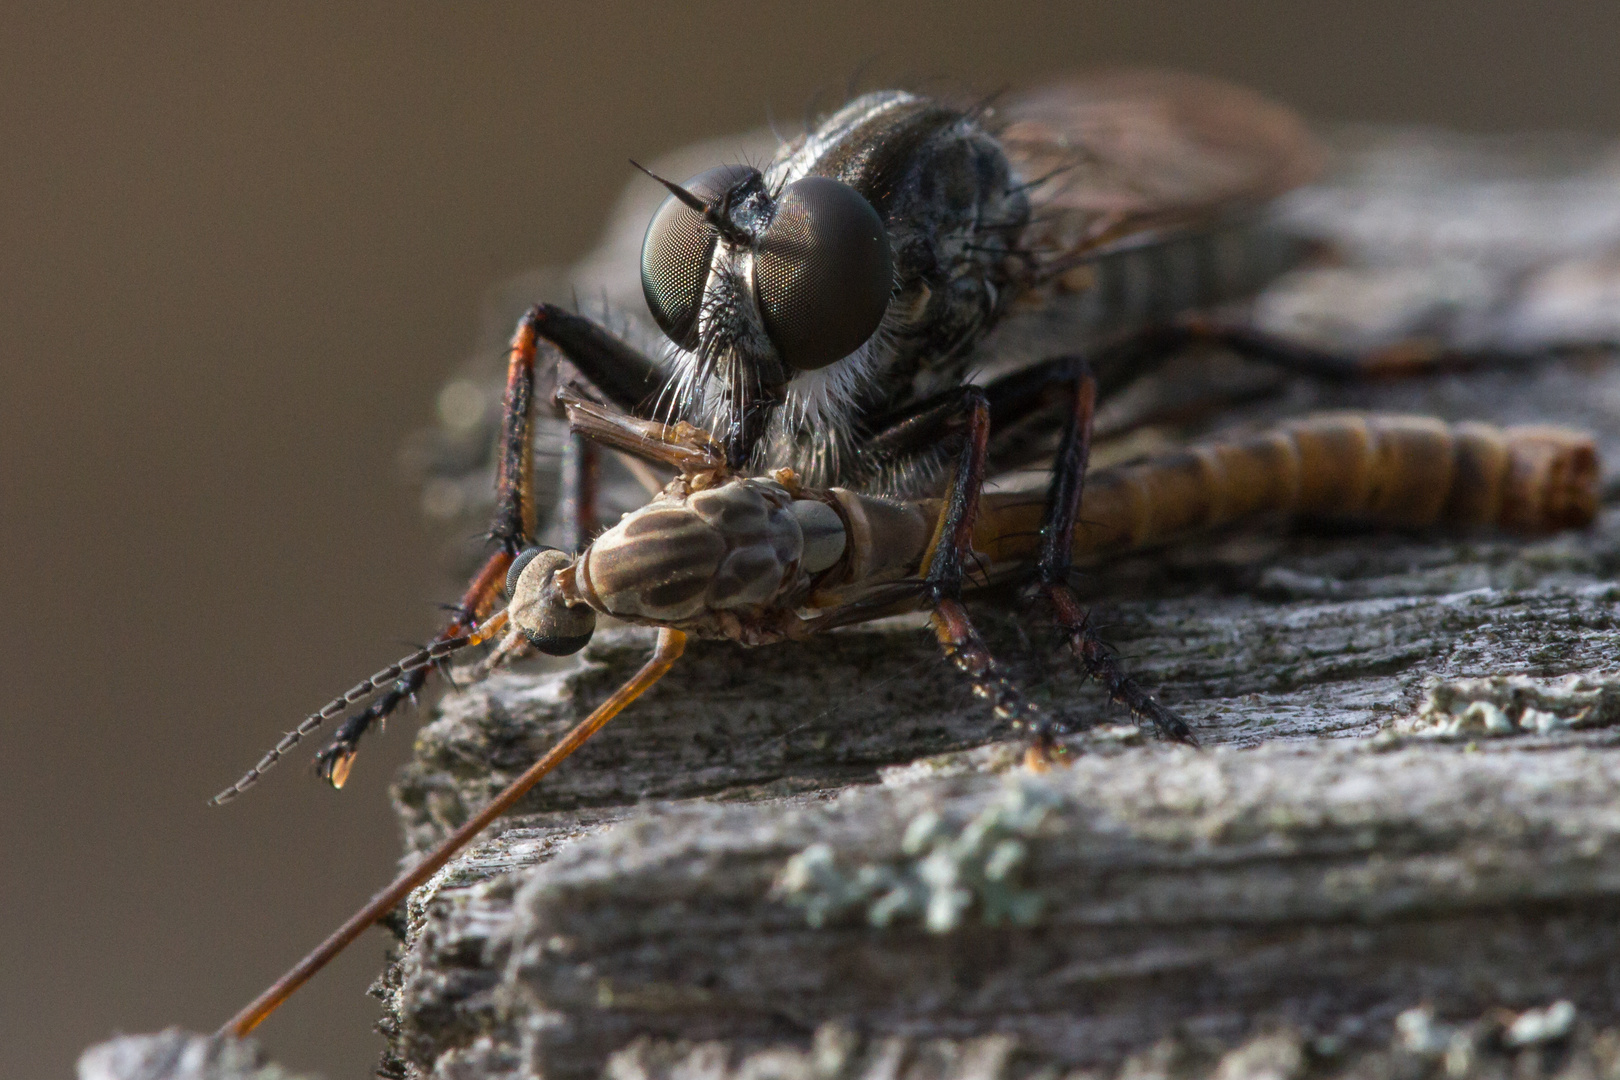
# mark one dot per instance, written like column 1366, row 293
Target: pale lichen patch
column 1514, row 704
column 946, row 871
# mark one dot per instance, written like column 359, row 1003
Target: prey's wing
column 1126, row 157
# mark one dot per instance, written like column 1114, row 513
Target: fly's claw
column 334, row 763
column 963, row 647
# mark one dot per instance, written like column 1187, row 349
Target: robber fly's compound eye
column 676, row 253
column 823, row 272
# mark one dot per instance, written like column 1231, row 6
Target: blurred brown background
column 239, row 249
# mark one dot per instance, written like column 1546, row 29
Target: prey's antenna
column 421, row 658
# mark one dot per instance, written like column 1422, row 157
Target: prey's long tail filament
column 421, row 658
column 671, row 643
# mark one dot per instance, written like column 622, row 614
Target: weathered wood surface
column 1340, row 852
column 178, row 1055
column 825, row 860
column 1305, row 886
column 1229, row 880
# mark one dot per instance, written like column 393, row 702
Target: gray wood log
column 1318, row 885
column 1398, row 855
column 826, row 860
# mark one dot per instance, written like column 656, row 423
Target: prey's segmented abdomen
column 1386, row 470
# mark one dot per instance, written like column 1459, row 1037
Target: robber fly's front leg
column 1056, row 558
column 615, row 372
column 963, row 414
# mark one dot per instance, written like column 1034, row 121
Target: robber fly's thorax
column 953, row 209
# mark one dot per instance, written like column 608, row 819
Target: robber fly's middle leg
column 963, row 415
column 617, row 373
column 1056, row 558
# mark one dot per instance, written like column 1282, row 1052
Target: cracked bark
column 1321, row 884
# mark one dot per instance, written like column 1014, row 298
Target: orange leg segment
column 671, row 643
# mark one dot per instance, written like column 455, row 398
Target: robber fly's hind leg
column 614, row 371
column 1056, row 557
column 957, row 414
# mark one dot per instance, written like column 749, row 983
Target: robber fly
column 874, row 310
column 897, row 295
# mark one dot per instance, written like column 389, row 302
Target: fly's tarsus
column 417, row 660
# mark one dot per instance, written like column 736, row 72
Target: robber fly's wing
column 1119, row 157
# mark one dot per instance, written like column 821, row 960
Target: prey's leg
column 1057, row 541
column 611, row 370
column 671, row 643
column 511, row 530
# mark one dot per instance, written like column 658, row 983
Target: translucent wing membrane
column 1114, row 158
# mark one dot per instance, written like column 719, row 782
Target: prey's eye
column 524, row 558
column 538, row 608
column 823, row 272
column 676, row 253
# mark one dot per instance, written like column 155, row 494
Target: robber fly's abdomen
column 1393, row 471
column 1149, row 283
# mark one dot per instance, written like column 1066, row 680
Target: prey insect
column 761, row 560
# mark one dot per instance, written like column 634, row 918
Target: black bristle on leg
column 963, row 415
column 1057, row 543
column 1102, row 664
column 345, row 742
column 511, row 530
column 963, row 647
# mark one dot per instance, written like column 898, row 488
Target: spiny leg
column 1401, row 359
column 963, row 414
column 511, row 530
column 1026, row 392
column 1056, row 558
column 613, row 371
column 421, row 658
column 671, row 643
column 336, row 759
column 577, row 509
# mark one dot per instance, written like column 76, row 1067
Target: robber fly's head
column 537, row 609
column 782, row 281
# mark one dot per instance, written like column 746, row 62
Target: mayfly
column 831, row 317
